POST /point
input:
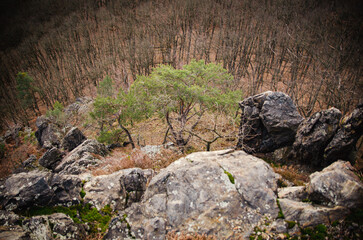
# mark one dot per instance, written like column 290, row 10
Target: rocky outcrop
column 72, row 139
column 343, row 144
column 313, row 136
column 38, row 188
column 336, row 185
column 85, row 155
column 119, row 189
column 82, row 105
column 208, row 192
column 269, row 121
column 51, row 158
column 48, row 134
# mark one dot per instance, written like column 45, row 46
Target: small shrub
column 109, row 137
column 57, row 113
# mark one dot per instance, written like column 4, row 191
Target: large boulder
column 72, row 139
column 336, row 185
column 269, row 121
column 39, row 188
column 343, row 144
column 119, row 189
column 313, row 135
column 24, row 190
column 51, row 158
column 218, row 193
column 82, row 157
column 48, row 134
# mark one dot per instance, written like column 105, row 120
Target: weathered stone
column 116, row 189
column 38, row 228
column 336, row 185
column 343, row 144
column 308, row 215
column 72, row 139
column 297, row 193
column 66, row 189
column 51, row 158
column 13, row 233
column 29, row 162
column 55, row 226
column 26, row 189
column 219, row 193
column 313, row 135
column 63, row 227
column 39, row 188
column 85, row 155
column 269, row 121
column 8, row 218
column 133, row 186
column 80, row 106
column 48, row 134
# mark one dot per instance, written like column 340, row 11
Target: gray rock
column 308, row 215
column 66, row 189
column 13, row 233
column 63, row 227
column 55, row 226
column 218, row 193
column 39, row 188
column 269, row 121
column 133, row 186
column 297, row 193
column 85, row 155
column 336, row 185
column 343, row 144
column 38, row 228
column 8, row 218
column 112, row 189
column 72, row 139
column 48, row 134
column 24, row 190
column 80, row 106
column 313, row 135
column 29, row 162
column 51, row 158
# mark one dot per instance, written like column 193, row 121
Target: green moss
column 290, row 224
column 319, row 232
column 231, row 178
column 280, row 214
column 81, row 213
column 82, row 193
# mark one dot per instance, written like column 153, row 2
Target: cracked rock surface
column 206, row 192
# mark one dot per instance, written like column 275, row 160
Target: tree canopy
column 182, row 96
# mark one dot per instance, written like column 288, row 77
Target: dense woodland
column 309, row 49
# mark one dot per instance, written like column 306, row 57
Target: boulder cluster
column 270, row 121
column 228, row 194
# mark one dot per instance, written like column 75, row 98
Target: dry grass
column 292, row 174
column 15, row 156
column 123, row 158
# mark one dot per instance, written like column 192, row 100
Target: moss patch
column 81, row 213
